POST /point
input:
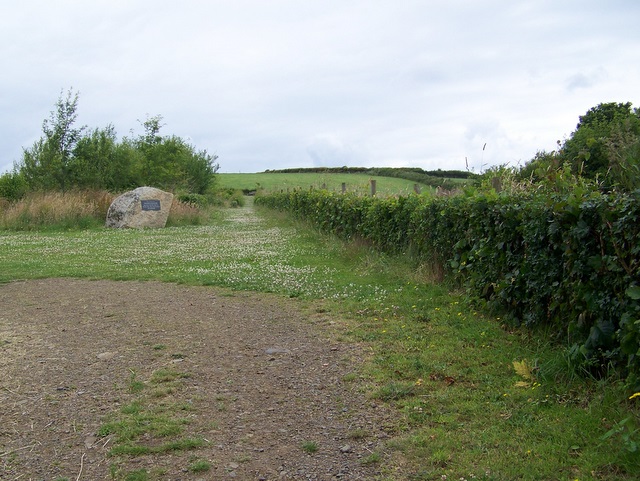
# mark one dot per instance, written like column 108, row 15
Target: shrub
column 13, row 186
column 566, row 257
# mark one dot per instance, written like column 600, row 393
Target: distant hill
column 433, row 178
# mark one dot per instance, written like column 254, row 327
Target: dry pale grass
column 78, row 209
column 183, row 213
column 41, row 209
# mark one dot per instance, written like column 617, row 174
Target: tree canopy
column 67, row 157
column 605, row 147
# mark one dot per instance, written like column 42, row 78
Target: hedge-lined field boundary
column 563, row 260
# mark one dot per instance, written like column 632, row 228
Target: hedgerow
column 568, row 260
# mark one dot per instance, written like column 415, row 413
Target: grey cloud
column 330, row 151
column 585, row 81
column 272, row 84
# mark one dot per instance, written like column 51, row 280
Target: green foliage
column 605, row 147
column 200, row 466
column 228, row 197
column 98, row 163
column 564, row 259
column 197, row 200
column 310, row 447
column 70, row 158
column 627, row 434
column 13, row 186
column 46, row 165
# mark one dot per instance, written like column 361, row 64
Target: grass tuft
column 310, row 447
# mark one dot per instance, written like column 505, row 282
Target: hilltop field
column 332, row 181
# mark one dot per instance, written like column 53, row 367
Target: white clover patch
column 240, row 252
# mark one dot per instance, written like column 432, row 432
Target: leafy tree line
column 382, row 171
column 70, row 157
column 604, row 148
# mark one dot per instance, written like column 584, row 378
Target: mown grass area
column 476, row 398
column 359, row 183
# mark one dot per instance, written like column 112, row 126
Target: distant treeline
column 434, row 178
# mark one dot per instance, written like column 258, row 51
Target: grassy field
column 476, row 399
column 354, row 182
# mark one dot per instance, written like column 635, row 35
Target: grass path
column 476, row 399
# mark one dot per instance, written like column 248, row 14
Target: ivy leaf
column 633, row 292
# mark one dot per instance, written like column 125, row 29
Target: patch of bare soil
column 262, row 377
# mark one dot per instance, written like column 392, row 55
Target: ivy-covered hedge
column 570, row 261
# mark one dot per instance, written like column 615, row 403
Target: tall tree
column 46, row 164
column 589, row 147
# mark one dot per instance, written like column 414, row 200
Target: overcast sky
column 269, row 84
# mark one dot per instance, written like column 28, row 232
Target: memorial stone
column 140, row 208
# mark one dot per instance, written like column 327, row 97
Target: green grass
column 465, row 410
column 310, row 447
column 332, row 181
column 200, row 466
column 145, row 426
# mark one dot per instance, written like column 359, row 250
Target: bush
column 228, row 197
column 197, row 200
column 13, row 186
column 568, row 258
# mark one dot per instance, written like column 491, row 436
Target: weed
column 351, row 377
column 372, row 458
column 137, row 475
column 310, row 447
column 200, row 466
column 358, row 434
column 135, row 386
column 394, row 391
column 242, row 458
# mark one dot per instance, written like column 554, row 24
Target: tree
column 68, row 157
column 171, row 163
column 605, row 148
column 46, row 164
column 599, row 134
column 12, row 186
column 94, row 163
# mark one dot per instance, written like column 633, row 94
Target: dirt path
column 259, row 377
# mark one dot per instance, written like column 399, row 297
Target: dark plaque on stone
column 150, row 204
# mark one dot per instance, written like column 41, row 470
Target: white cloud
column 269, row 85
